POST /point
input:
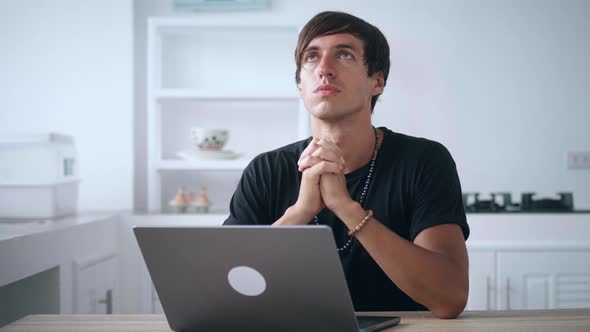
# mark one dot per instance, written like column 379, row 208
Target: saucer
column 207, row 154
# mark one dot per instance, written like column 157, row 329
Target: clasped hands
column 323, row 183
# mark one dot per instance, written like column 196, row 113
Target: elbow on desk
column 451, row 310
column 447, row 314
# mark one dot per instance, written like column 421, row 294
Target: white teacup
column 209, row 139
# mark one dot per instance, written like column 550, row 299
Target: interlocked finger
column 323, row 167
column 318, row 150
column 311, row 147
column 329, row 145
column 308, row 162
column 328, row 154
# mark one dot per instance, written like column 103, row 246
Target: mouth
column 326, row 90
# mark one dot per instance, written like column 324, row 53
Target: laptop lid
column 248, row 278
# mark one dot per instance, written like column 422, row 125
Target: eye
column 310, row 57
column 345, row 55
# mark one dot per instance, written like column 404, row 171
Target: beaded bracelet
column 358, row 227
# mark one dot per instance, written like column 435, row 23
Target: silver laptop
column 251, row 278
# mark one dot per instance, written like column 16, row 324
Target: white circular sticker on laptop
column 246, row 281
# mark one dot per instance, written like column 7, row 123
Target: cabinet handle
column 489, row 290
column 508, row 294
column 108, row 300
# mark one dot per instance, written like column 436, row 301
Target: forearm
column 432, row 279
column 292, row 217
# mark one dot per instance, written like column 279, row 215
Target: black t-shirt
column 414, row 186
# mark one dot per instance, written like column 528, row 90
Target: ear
column 299, row 92
column 379, row 83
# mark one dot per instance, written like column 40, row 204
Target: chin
column 326, row 115
column 329, row 112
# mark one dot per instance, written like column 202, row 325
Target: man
column 393, row 201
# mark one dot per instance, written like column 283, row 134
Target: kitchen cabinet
column 517, row 277
column 482, row 280
column 544, row 279
column 83, row 250
column 529, row 261
column 231, row 74
column 95, row 285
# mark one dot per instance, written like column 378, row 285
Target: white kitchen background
column 503, row 84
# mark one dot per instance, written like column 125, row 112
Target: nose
column 326, row 68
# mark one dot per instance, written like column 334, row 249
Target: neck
column 356, row 139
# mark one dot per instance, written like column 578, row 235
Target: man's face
column 334, row 81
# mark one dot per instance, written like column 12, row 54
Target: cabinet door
column 544, row 280
column 95, row 286
column 481, row 281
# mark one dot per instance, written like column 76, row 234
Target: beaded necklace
column 352, row 241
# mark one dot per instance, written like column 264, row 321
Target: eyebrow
column 339, row 46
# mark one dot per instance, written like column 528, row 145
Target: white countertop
column 10, row 229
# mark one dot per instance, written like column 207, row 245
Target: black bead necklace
column 352, row 241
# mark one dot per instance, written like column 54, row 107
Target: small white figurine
column 201, row 203
column 179, row 202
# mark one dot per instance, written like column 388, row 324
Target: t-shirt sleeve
column 249, row 203
column 437, row 193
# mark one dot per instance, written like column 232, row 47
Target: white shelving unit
column 211, row 73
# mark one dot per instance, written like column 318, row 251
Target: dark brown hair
column 376, row 51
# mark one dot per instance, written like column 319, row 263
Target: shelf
column 217, row 73
column 204, row 165
column 164, row 94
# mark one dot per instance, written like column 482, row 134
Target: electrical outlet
column 578, row 159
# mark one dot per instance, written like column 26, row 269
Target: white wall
column 503, row 84
column 66, row 66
